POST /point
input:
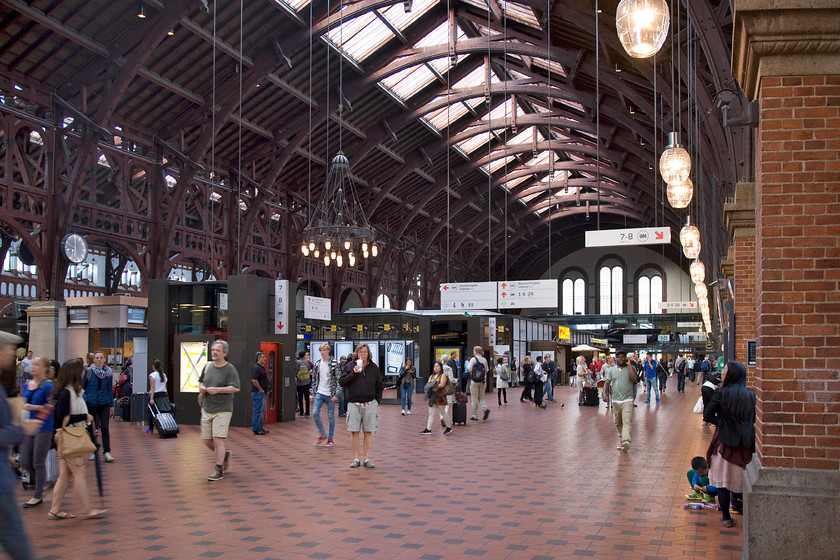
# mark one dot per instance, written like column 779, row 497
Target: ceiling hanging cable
column 309, row 154
column 655, row 151
column 209, row 217
column 448, row 138
column 550, row 134
column 239, row 201
column 513, row 111
column 598, row 109
column 489, row 144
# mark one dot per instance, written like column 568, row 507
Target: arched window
column 410, row 305
column 383, row 302
column 574, row 296
column 650, row 294
column 611, row 281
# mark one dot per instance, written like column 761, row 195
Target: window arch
column 611, row 283
column 410, row 305
column 650, row 293
column 383, row 302
column 574, row 296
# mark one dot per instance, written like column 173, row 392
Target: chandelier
column 675, row 163
column 339, row 229
column 642, row 26
column 697, row 271
column 690, row 239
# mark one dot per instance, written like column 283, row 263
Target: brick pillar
column 740, row 221
column 785, row 55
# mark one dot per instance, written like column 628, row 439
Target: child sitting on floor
column 698, row 477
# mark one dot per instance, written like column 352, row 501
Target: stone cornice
column 740, row 214
column 784, row 38
column 727, row 265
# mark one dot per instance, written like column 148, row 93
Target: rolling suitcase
column 590, row 396
column 459, row 413
column 164, row 422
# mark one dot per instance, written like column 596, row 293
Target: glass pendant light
column 675, row 163
column 697, row 271
column 690, row 239
column 679, row 193
column 702, row 291
column 642, row 26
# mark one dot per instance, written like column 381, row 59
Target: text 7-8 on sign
column 633, row 236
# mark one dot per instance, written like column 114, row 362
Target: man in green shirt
column 619, row 384
column 217, row 384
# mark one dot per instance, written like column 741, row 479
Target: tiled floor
column 527, row 484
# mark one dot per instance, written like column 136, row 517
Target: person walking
column 732, row 411
column 619, row 380
column 259, row 387
column 364, row 393
column 218, row 383
column 325, row 376
column 502, row 376
column 527, row 379
column 69, row 405
column 437, row 399
column 33, row 451
column 651, row 383
column 98, row 383
column 405, row 382
column 157, row 389
column 680, row 367
column 477, row 369
column 539, row 382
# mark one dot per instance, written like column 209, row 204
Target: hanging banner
column 394, row 357
column 281, row 307
column 528, row 294
column 317, row 308
column 492, row 331
column 468, row 295
column 635, row 236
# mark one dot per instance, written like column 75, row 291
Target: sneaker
column 695, row 495
column 408, row 413
column 320, row 440
column 149, row 430
column 108, row 457
column 620, row 446
column 92, row 457
column 486, row 413
column 402, row 412
column 729, row 523
column 368, row 464
column 226, row 462
column 218, row 474
column 657, row 402
column 329, row 443
column 708, row 499
column 355, row 464
column 447, row 431
column 626, row 445
column 473, row 417
column 426, row 431
column 734, row 509
column 647, row 402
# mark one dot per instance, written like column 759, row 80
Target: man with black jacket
column 364, row 393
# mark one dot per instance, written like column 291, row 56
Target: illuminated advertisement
column 394, row 357
column 193, row 359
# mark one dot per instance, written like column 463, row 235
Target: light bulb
column 675, row 163
column 364, row 246
column 352, row 259
column 690, row 239
column 339, row 261
column 332, row 254
column 680, row 193
column 317, row 254
column 311, row 245
column 327, row 245
column 326, row 260
column 347, row 244
column 697, row 271
column 305, row 250
column 374, row 250
column 365, row 253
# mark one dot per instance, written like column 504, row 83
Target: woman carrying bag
column 159, row 396
column 34, row 449
column 438, row 387
column 406, row 384
column 71, row 411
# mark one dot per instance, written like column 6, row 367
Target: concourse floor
column 526, row 484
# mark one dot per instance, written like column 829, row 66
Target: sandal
column 94, row 514
column 33, row 502
column 61, row 515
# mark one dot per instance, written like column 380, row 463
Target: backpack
column 681, row 365
column 503, row 373
column 303, row 371
column 530, row 374
column 478, row 371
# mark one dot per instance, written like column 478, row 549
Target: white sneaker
column 92, row 457
column 109, row 458
column 408, row 412
column 402, row 412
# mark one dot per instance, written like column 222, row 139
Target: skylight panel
column 477, row 77
column 517, row 181
column 401, row 20
column 440, row 117
column 573, row 105
column 474, row 142
column 556, row 68
column 525, row 136
column 497, row 163
column 361, row 36
column 409, row 81
column 295, row 4
column 520, row 13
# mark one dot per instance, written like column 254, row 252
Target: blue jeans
column 650, row 383
column 259, row 411
column 12, row 536
column 407, row 388
column 316, row 412
column 548, row 391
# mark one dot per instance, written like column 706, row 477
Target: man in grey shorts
column 218, row 382
column 364, row 393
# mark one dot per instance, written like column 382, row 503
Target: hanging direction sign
column 317, row 308
column 671, row 305
column 633, row 236
column 527, row 294
column 462, row 296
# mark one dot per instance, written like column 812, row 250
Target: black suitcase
column 164, row 422
column 459, row 413
column 125, row 409
column 590, row 396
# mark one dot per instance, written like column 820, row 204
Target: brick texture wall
column 798, row 272
column 745, row 316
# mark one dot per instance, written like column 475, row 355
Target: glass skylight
column 520, row 13
column 497, row 163
column 556, row 68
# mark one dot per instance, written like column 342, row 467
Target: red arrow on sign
column 504, row 294
column 445, row 288
column 659, row 234
column 504, row 285
column 280, row 325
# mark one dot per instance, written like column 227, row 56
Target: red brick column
column 740, row 221
column 786, row 55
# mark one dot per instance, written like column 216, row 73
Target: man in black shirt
column 259, row 382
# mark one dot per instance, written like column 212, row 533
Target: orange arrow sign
column 659, row 234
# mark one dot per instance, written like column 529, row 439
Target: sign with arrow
column 464, row 296
column 281, row 307
column 527, row 294
column 633, row 236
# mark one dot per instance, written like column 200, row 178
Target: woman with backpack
column 502, row 375
column 157, row 390
column 527, row 379
column 732, row 411
column 34, row 449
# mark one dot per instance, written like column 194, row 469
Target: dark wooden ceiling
column 254, row 86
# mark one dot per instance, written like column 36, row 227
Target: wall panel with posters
column 193, row 358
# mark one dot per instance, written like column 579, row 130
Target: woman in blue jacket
column 33, row 451
column 98, row 383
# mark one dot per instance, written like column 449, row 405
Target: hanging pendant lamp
column 697, row 271
column 680, row 193
column 702, row 291
column 642, row 26
column 690, row 239
column 675, row 163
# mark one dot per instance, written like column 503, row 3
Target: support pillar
column 786, row 55
column 46, row 319
column 740, row 221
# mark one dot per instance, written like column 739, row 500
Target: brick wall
column 744, row 268
column 798, row 272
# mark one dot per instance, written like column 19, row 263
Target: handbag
column 72, row 441
column 460, row 397
column 447, row 389
column 698, row 407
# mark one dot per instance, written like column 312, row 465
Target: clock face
column 75, row 247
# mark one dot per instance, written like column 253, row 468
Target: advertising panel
column 193, row 358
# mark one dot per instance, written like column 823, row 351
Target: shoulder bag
column 72, row 441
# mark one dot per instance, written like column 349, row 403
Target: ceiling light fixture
column 690, row 239
column 141, row 12
column 642, row 26
column 697, row 271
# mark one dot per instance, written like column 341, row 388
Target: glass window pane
column 580, row 296
column 617, row 290
column 605, row 285
column 655, row 294
column 644, row 294
column 568, row 297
